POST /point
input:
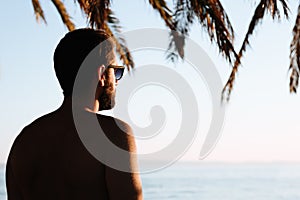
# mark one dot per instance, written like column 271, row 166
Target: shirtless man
column 49, row 161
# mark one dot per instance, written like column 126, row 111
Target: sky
column 261, row 123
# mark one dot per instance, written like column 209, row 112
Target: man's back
column 49, row 161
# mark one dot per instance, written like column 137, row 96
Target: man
column 48, row 160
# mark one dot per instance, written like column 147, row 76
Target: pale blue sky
column 262, row 117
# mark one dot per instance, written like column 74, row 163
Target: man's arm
column 124, row 185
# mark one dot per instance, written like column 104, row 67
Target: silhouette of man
column 48, row 159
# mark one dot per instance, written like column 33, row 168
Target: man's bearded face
column 107, row 97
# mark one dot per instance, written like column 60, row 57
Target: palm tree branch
column 285, row 7
column 100, row 16
column 113, row 28
column 218, row 7
column 83, row 4
column 183, row 17
column 64, row 14
column 295, row 55
column 97, row 11
column 213, row 17
column 38, row 11
column 164, row 11
column 176, row 38
column 259, row 13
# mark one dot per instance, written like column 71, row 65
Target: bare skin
column 49, row 161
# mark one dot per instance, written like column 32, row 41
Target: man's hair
column 73, row 49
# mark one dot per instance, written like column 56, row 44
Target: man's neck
column 92, row 106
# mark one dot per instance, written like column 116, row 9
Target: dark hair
column 73, row 49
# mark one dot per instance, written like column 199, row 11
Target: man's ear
column 101, row 75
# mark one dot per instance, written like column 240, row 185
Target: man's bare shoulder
column 118, row 131
column 29, row 141
column 114, row 122
column 28, row 129
column 39, row 130
column 37, row 126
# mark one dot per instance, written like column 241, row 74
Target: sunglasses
column 119, row 70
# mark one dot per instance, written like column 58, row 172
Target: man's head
column 70, row 54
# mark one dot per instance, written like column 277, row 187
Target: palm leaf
column 100, row 16
column 64, row 14
column 262, row 8
column 164, row 11
column 285, row 7
column 97, row 11
column 183, row 18
column 295, row 56
column 38, row 11
column 213, row 17
column 176, row 38
column 113, row 28
column 83, row 4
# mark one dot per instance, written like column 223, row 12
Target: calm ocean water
column 218, row 182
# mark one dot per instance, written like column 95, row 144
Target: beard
column 107, row 98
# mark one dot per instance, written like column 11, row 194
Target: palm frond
column 176, row 38
column 295, row 56
column 38, row 11
column 213, row 17
column 164, row 11
column 183, row 19
column 97, row 11
column 83, row 4
column 285, row 7
column 177, row 42
column 262, row 8
column 221, row 14
column 64, row 14
column 100, row 16
column 113, row 28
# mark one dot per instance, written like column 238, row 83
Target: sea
column 217, row 181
